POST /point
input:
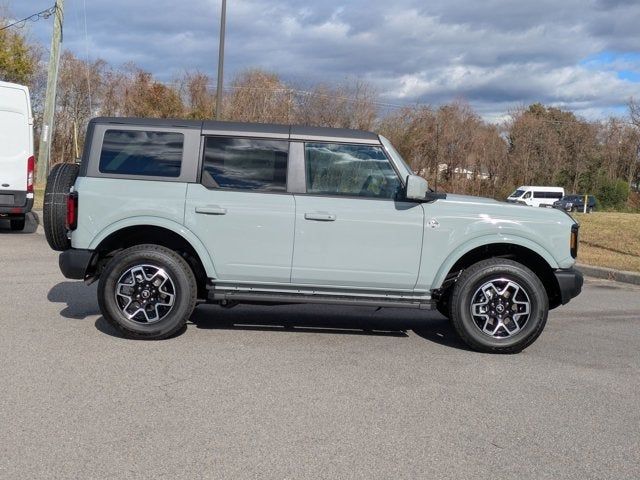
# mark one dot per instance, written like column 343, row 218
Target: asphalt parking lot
column 306, row 391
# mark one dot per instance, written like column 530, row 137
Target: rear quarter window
column 143, row 153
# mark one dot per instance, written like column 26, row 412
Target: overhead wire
column 46, row 13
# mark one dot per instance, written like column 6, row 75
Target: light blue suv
column 168, row 214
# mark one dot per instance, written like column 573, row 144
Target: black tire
column 590, row 210
column 17, row 224
column 183, row 285
column 468, row 286
column 61, row 179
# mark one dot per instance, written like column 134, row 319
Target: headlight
column 574, row 240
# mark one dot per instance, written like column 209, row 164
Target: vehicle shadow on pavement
column 81, row 301
column 332, row 320
column 30, row 226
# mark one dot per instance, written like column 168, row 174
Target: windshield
column 517, row 193
column 397, row 158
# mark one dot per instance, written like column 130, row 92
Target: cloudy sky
column 583, row 55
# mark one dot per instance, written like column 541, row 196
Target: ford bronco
column 167, row 214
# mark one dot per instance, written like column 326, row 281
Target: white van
column 536, row 196
column 16, row 154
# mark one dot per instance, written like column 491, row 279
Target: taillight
column 31, row 163
column 72, row 211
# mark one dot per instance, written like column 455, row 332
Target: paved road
column 307, row 392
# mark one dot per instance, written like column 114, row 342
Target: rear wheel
column 147, row 292
column 499, row 306
column 17, row 224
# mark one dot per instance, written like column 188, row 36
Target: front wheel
column 147, row 292
column 499, row 306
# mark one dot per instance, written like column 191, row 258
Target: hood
column 500, row 209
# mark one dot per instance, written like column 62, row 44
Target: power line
column 46, row 13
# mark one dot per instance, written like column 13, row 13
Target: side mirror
column 417, row 188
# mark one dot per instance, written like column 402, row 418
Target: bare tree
column 259, row 96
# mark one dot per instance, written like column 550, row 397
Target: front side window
column 527, row 195
column 245, row 164
column 350, row 170
column 135, row 152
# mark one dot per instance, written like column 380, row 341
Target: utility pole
column 437, row 154
column 50, row 100
column 223, row 21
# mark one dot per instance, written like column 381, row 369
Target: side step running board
column 248, row 295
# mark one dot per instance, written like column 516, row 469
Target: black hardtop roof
column 262, row 130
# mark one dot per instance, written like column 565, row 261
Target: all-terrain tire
column 152, row 258
column 501, row 271
column 17, row 224
column 59, row 183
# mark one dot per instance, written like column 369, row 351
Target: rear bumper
column 570, row 282
column 17, row 205
column 74, row 263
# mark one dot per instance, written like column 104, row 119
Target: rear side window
column 148, row 153
column 556, row 195
column 245, row 164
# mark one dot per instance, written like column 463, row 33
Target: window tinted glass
column 246, row 164
column 353, row 170
column 128, row 152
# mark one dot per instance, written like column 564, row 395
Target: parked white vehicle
column 536, row 196
column 16, row 154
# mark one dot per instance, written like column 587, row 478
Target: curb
column 610, row 274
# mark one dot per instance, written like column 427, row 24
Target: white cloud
column 496, row 54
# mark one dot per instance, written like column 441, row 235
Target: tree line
column 450, row 145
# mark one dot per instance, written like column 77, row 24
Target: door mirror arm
column 433, row 196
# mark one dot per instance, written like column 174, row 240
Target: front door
column 351, row 229
column 241, row 210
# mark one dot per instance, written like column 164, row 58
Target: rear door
column 241, row 210
column 16, row 140
column 351, row 229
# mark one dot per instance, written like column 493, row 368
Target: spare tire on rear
column 61, row 179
